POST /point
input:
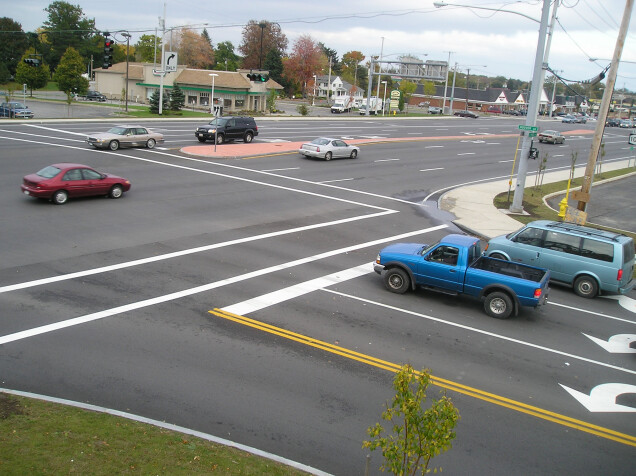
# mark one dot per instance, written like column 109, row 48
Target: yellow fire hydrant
column 563, row 206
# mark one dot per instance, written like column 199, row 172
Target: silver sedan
column 125, row 136
column 327, row 148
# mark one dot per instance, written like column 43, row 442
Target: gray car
column 327, row 148
column 125, row 136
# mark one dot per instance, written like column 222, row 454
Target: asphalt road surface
column 236, row 297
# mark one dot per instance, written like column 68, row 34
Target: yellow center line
column 440, row 382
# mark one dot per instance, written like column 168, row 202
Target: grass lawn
column 38, row 437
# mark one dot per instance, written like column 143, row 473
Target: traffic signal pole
column 533, row 110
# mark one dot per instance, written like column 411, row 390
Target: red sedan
column 59, row 182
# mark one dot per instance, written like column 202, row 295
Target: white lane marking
column 558, row 155
column 385, row 160
column 429, row 170
column 273, row 140
column 39, row 135
column 481, row 331
column 170, row 427
column 434, row 147
column 337, row 180
column 591, row 312
column 176, row 254
column 504, row 161
column 203, row 288
column 280, row 170
column 297, row 290
column 467, row 153
column 493, row 143
column 57, row 130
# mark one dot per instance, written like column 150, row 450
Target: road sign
column 528, row 128
column 532, row 134
column 171, row 61
column 632, row 139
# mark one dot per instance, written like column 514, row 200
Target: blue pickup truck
column 15, row 109
column 455, row 265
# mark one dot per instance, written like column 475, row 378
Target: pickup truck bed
column 455, row 266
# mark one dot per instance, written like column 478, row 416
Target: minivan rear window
column 628, row 251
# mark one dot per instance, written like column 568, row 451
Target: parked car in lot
column 94, row 96
column 512, row 112
column 494, row 110
column 455, row 265
column 16, row 110
column 589, row 260
column 568, row 119
column 125, row 136
column 328, row 148
column 59, row 182
column 613, row 122
column 625, row 124
column 227, row 129
column 554, row 137
column 466, row 113
column 434, row 110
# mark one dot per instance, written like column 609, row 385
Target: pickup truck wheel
column 498, row 305
column 498, row 256
column 585, row 286
column 397, row 281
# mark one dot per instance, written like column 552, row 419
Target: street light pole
column 212, row 110
column 260, row 63
column 313, row 100
column 533, row 109
column 384, row 98
column 446, row 82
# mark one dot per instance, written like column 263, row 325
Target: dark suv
column 228, row 129
column 95, row 96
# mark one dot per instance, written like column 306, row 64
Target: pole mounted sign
column 632, row 139
column 523, row 127
column 171, row 61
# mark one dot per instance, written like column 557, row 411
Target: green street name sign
column 528, row 128
column 532, row 134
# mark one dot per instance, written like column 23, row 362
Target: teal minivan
column 590, row 260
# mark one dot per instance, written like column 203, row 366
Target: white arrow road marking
column 617, row 344
column 624, row 301
column 602, row 398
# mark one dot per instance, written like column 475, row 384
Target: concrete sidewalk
column 473, row 205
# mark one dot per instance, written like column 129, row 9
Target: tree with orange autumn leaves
column 194, row 50
column 306, row 59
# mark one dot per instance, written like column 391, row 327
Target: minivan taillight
column 619, row 275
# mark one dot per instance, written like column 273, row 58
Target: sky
column 484, row 41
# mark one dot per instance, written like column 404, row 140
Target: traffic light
column 32, row 62
column 108, row 53
column 261, row 78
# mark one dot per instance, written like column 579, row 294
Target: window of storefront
column 204, row 99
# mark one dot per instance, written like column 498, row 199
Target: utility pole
column 127, row 35
column 446, row 82
column 377, row 95
column 584, row 194
column 533, row 109
column 163, row 61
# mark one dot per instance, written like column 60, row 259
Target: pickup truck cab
column 455, row 265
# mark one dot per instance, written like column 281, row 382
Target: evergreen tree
column 177, row 98
column 154, row 102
